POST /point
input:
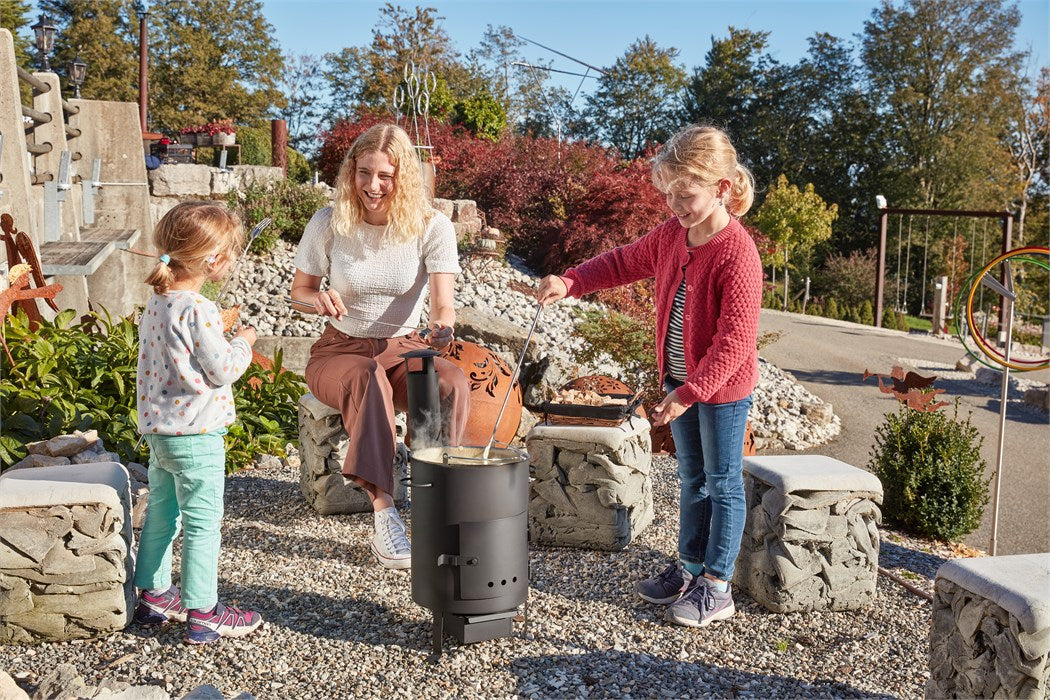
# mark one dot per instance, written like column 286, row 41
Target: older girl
column 708, row 283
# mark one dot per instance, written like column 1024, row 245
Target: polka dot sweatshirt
column 186, row 366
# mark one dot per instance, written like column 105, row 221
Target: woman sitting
column 379, row 245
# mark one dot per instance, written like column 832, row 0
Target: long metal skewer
column 513, row 376
column 307, row 305
column 256, row 230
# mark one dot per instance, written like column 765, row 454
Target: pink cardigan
column 722, row 303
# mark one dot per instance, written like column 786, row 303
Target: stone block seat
column 810, row 540
column 66, row 566
column 591, row 486
column 323, row 444
column 990, row 635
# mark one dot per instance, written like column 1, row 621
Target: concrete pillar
column 15, row 198
column 940, row 305
column 54, row 133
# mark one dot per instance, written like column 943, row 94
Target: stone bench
column 591, row 485
column 65, row 552
column 323, row 444
column 990, row 635
column 810, row 540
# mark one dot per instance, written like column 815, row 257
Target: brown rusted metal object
column 20, row 249
column 20, row 292
column 488, row 377
column 910, row 388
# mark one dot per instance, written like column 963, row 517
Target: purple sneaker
column 156, row 610
column 667, row 586
column 206, row 627
column 701, row 605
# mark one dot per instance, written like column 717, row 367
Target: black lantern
column 45, row 40
column 77, row 73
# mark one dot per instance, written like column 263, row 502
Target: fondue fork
column 256, row 230
column 423, row 332
column 513, row 376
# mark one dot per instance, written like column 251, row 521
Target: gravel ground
column 339, row 626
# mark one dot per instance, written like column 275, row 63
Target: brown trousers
column 365, row 379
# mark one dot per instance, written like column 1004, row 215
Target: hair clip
column 210, row 259
column 164, row 259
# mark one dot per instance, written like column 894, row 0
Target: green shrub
column 867, row 313
column 932, row 472
column 289, row 204
column 80, row 375
column 256, row 149
column 831, row 309
column 628, row 341
column 69, row 375
column 267, row 413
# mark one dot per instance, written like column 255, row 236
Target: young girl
column 185, row 402
column 708, row 283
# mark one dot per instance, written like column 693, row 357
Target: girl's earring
column 720, row 202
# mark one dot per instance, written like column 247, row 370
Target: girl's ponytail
column 161, row 278
column 742, row 192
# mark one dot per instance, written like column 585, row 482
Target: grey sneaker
column 666, row 586
column 701, row 605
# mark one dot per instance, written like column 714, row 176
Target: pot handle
column 408, row 482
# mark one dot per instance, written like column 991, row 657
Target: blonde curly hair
column 410, row 212
column 705, row 155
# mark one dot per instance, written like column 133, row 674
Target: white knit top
column 378, row 279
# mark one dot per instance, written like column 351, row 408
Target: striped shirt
column 674, row 348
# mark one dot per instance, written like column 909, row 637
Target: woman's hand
column 552, row 288
column 329, row 303
column 440, row 335
column 667, row 410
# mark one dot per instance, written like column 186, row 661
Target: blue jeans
column 187, row 478
column 709, row 440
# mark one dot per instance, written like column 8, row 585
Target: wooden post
column 279, row 144
column 880, row 274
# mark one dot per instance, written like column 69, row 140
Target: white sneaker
column 390, row 543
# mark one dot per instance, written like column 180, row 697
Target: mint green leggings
column 187, row 477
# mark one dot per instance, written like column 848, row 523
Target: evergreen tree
column 636, row 103
column 104, row 34
column 212, row 59
column 14, row 17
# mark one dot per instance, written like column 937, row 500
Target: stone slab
column 1019, row 583
column 790, row 473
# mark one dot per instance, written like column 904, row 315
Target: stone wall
column 65, row 552
column 806, row 547
column 323, row 445
column 990, row 634
column 591, row 485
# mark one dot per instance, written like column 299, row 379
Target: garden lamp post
column 77, row 73
column 45, row 40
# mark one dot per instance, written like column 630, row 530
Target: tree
column 795, row 221
column 302, row 84
column 935, row 67
column 1027, row 138
column 365, row 77
column 482, row 115
column 14, row 16
column 104, row 35
column 635, row 104
column 212, row 59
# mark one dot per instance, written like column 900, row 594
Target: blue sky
column 599, row 31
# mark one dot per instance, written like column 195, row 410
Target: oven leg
column 438, row 634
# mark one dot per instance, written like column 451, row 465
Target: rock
column 39, row 460
column 63, row 682
column 204, row 692
column 138, row 472
column 9, row 690
column 69, row 445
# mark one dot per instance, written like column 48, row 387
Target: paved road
column 828, row 358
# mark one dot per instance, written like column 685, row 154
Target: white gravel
column 339, row 626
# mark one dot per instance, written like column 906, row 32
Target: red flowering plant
column 223, row 126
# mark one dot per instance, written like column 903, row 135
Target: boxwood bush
column 932, row 472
